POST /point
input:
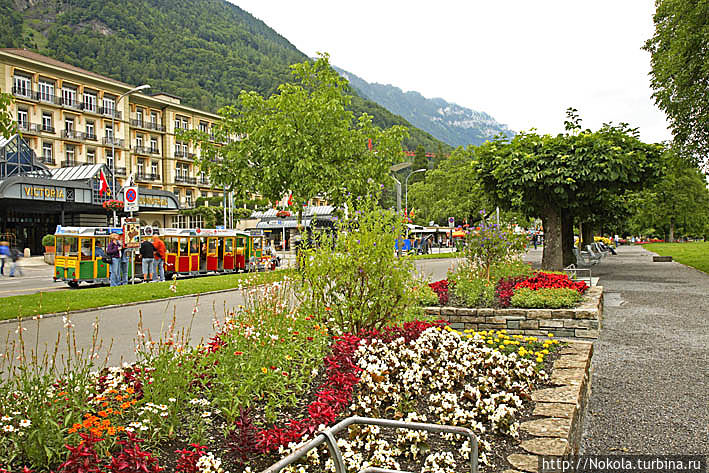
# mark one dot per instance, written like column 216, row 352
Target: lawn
column 89, row 298
column 694, row 254
column 436, row 255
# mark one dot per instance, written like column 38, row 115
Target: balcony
column 110, row 140
column 120, row 172
column 22, row 92
column 69, row 103
column 141, row 150
column 70, row 163
column 90, row 137
column 47, row 160
column 47, row 129
column 150, row 125
column 109, row 112
column 29, row 128
column 154, row 150
column 203, row 181
column 147, row 177
column 184, row 155
column 46, row 98
column 186, row 180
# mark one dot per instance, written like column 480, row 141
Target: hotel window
column 109, row 159
column 22, row 118
column 139, row 116
column 203, row 127
column 177, row 148
column 90, row 156
column 154, row 168
column 109, row 105
column 69, row 127
column 188, row 199
column 47, row 122
column 154, row 118
column 184, row 149
column 90, row 101
column 22, row 86
column 69, row 96
column 90, row 130
column 138, row 141
column 153, row 145
column 185, row 124
column 46, row 90
column 141, row 167
column 109, row 132
column 177, row 123
column 70, row 155
column 47, row 153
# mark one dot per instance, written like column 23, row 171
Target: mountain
column 204, row 51
column 449, row 122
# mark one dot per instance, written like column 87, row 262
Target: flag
column 104, row 185
column 290, row 200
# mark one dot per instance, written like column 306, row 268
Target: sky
column 522, row 62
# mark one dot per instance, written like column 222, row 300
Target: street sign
column 130, row 199
column 451, row 222
column 131, row 233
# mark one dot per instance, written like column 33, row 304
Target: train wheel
column 73, row 284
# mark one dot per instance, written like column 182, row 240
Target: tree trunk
column 567, row 238
column 672, row 230
column 553, row 256
column 587, row 234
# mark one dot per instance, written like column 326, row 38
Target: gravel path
column 650, row 391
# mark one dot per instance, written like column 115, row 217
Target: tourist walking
column 15, row 266
column 534, row 240
column 113, row 251
column 147, row 254
column 160, row 251
column 4, row 255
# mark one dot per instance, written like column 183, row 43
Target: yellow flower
column 550, row 334
column 501, row 347
column 490, row 342
column 264, row 370
column 539, row 359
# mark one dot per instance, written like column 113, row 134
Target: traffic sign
column 451, row 222
column 130, row 199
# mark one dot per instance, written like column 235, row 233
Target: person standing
column 160, row 251
column 616, row 239
column 4, row 255
column 125, row 263
column 534, row 239
column 113, row 251
column 147, row 254
column 15, row 257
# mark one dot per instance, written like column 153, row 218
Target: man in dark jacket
column 147, row 253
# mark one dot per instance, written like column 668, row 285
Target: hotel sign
column 43, row 192
column 153, row 201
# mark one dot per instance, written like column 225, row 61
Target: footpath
column 650, row 388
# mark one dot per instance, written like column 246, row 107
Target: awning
column 280, row 224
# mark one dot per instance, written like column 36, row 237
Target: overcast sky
column 522, row 62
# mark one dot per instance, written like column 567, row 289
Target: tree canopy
column 556, row 177
column 680, row 68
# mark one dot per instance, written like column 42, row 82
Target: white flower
column 8, row 428
column 25, row 423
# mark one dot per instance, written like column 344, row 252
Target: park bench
column 584, row 259
column 601, row 248
column 580, row 274
column 594, row 254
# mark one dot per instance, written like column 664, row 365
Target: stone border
column 582, row 322
column 561, row 410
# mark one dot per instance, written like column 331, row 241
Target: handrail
column 328, row 436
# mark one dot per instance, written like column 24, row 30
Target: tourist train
column 189, row 252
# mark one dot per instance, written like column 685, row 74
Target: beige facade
column 66, row 115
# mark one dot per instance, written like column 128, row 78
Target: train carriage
column 79, row 252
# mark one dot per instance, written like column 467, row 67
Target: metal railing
column 120, row 171
column 186, row 179
column 71, row 163
column 29, row 127
column 107, row 140
column 148, row 177
column 22, row 92
column 73, row 135
column 327, row 436
column 109, row 112
column 47, row 160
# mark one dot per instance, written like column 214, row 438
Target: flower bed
column 179, row 413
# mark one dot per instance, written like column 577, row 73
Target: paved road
column 37, row 277
column 119, row 326
column 650, row 389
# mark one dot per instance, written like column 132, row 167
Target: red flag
column 290, row 200
column 104, row 184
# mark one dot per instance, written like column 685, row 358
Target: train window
column 228, row 245
column 184, row 246
column 194, row 245
column 71, row 246
column 86, row 250
column 239, row 242
column 59, row 246
column 100, row 249
column 212, row 246
column 171, row 244
column 258, row 243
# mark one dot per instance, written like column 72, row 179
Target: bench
column 584, row 259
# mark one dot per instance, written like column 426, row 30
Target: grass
column 438, row 255
column 694, row 254
column 95, row 297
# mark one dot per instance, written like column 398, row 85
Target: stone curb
column 582, row 322
column 561, row 409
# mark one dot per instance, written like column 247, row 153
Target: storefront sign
column 153, row 201
column 43, row 192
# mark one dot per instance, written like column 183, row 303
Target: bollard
column 27, row 253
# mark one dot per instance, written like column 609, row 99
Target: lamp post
column 113, row 139
column 406, row 188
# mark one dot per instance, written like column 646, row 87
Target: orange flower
column 62, row 393
column 120, row 428
column 104, row 404
column 119, row 398
column 72, row 430
column 130, row 390
column 264, row 370
column 132, row 403
column 103, row 413
column 237, row 353
column 125, row 405
column 111, row 431
column 105, row 422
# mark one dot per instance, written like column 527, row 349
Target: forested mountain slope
column 204, row 51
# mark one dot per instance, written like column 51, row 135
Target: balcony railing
column 30, row 128
column 73, row 135
column 141, row 150
column 148, row 125
column 186, row 180
column 109, row 112
column 47, row 129
column 148, row 177
column 70, row 163
column 203, row 181
column 46, row 98
column 184, row 154
column 47, row 160
column 90, row 136
column 69, row 103
column 109, row 140
column 120, row 171
column 22, row 92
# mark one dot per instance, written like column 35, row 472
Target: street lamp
column 406, row 188
column 113, row 139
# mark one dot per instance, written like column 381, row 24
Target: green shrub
column 512, row 268
column 424, row 294
column 552, row 298
column 470, row 289
column 353, row 279
column 48, row 240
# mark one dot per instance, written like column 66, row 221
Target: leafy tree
column 302, row 141
column 451, row 190
column 555, row 177
column 8, row 126
column 420, row 162
column 680, row 67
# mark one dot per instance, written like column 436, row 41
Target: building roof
column 53, row 62
column 77, row 173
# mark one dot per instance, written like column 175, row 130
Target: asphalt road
column 37, row 276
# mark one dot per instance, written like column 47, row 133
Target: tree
column 680, row 67
column 450, row 190
column 302, row 141
column 420, row 162
column 8, row 127
column 555, row 177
